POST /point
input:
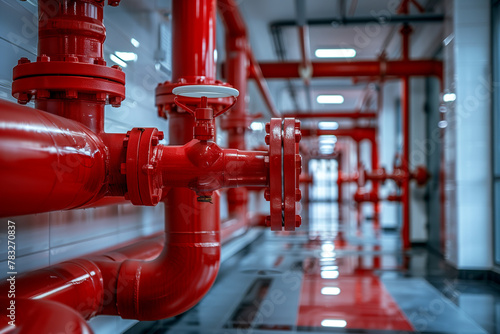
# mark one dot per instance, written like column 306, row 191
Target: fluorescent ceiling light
column 333, row 323
column 335, row 53
column 329, row 274
column 449, row 97
column 126, row 56
column 328, row 125
column 257, row 126
column 117, row 60
column 442, row 124
column 330, row 291
column 330, row 99
column 135, row 42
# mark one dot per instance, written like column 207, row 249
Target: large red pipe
column 187, row 267
column 47, row 162
column 377, row 68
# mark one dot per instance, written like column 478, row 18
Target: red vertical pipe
column 405, row 158
column 237, row 74
column 193, row 37
column 72, row 30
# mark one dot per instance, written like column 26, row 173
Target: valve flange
column 285, row 165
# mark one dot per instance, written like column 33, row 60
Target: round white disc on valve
column 209, row 91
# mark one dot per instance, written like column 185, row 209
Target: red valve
column 204, row 115
column 285, row 165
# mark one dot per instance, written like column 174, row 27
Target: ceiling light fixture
column 330, row 99
column 335, row 53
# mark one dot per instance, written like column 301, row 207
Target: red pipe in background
column 237, row 120
column 405, row 157
column 356, row 114
column 376, row 68
column 50, row 162
column 236, row 29
column 357, row 134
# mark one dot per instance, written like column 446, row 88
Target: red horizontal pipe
column 333, row 114
column 377, row 68
column 207, row 167
column 354, row 133
column 47, row 162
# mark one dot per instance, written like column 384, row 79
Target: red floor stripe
column 362, row 301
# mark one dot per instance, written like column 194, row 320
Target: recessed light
column 333, row 323
column 330, row 99
column 328, row 126
column 330, row 291
column 135, row 42
column 335, row 53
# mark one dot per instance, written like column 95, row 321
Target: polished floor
column 312, row 282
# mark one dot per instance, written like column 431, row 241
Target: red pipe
column 334, row 114
column 290, row 70
column 47, row 162
column 357, row 134
column 236, row 28
column 405, row 157
column 186, row 269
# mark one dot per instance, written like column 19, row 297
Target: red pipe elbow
column 185, row 270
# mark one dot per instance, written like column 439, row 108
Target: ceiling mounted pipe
column 384, row 20
column 290, row 70
column 334, row 114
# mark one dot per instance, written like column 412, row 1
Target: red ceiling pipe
column 290, row 70
column 47, row 161
column 334, row 114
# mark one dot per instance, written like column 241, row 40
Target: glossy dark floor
column 310, row 281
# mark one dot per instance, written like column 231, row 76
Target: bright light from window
column 329, row 274
column 327, row 247
column 328, row 125
column 135, row 42
column 328, row 255
column 449, row 97
column 330, row 291
column 333, row 323
column 117, row 60
column 335, row 53
column 126, row 56
column 326, row 149
column 257, row 126
column 330, row 99
column 329, row 268
column 327, row 140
